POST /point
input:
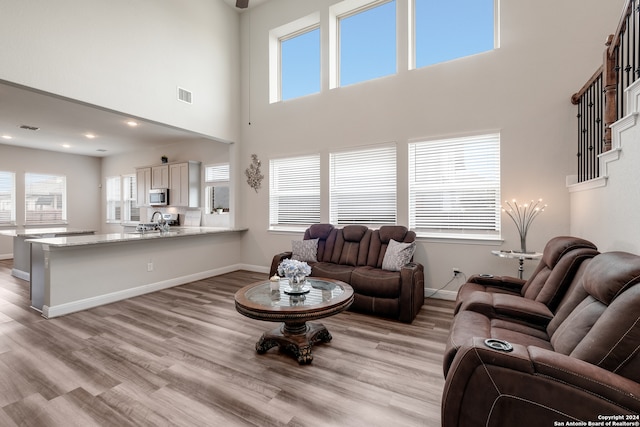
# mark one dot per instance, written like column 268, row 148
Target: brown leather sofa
column 354, row 254
column 582, row 365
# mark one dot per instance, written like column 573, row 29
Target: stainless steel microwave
column 159, row 196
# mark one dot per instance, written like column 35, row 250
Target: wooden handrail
column 602, row 92
column 575, row 98
column 622, row 25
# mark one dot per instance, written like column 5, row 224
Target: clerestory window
column 367, row 42
column 446, row 30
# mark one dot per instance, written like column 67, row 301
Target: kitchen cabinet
column 184, row 184
column 143, row 184
column 160, row 176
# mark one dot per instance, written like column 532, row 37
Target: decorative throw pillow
column 305, row 250
column 397, row 255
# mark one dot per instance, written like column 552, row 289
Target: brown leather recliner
column 543, row 291
column 584, row 364
column 354, row 254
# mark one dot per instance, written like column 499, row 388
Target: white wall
column 130, row 56
column 83, row 180
column 548, row 49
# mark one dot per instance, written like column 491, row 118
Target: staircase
column 606, row 209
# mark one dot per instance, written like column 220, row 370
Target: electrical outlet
column 150, row 266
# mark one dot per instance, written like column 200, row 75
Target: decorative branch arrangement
column 254, row 176
column 523, row 216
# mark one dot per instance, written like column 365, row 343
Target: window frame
column 217, row 175
column 309, row 185
column 28, row 191
column 492, row 156
column 289, row 30
column 120, row 210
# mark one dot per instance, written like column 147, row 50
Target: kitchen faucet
column 162, row 223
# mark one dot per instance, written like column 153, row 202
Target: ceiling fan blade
column 242, row 4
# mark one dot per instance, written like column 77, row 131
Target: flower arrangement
column 523, row 216
column 294, row 270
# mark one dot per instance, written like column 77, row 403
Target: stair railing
column 600, row 101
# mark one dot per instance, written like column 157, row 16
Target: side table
column 521, row 256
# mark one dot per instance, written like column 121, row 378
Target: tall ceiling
column 64, row 123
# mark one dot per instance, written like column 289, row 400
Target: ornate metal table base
column 294, row 338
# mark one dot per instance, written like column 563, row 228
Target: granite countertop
column 97, row 239
column 25, row 232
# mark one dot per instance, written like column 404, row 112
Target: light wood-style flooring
column 185, row 357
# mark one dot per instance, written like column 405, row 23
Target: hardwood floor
column 185, row 357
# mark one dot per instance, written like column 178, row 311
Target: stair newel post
column 610, row 78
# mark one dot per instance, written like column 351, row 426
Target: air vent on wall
column 184, row 95
column 34, row 128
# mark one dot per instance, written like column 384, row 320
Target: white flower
column 294, row 269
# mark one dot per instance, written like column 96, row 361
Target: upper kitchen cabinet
column 160, row 176
column 184, row 184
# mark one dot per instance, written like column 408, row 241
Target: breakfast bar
column 22, row 250
column 75, row 273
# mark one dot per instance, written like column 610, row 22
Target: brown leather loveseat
column 356, row 255
column 581, row 364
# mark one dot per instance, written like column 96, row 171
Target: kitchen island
column 22, row 249
column 75, row 273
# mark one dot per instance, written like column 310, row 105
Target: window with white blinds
column 131, row 211
column 217, row 193
column 294, row 192
column 45, row 199
column 363, row 186
column 454, row 187
column 7, row 198
column 114, row 211
column 216, row 173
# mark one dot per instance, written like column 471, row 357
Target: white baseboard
column 84, row 304
column 440, row 294
column 72, row 307
column 254, row 268
column 21, row 274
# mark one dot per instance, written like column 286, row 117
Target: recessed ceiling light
column 132, row 123
column 89, row 135
column 7, row 136
column 66, row 145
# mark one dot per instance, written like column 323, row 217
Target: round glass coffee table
column 320, row 298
